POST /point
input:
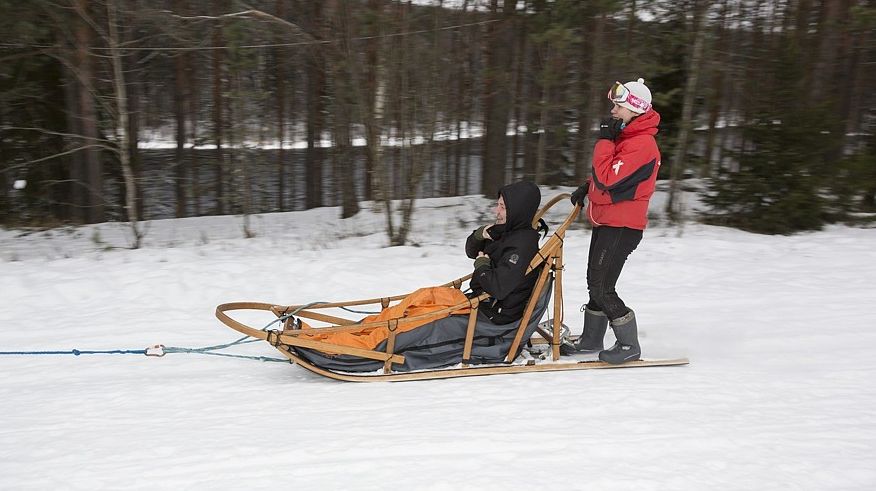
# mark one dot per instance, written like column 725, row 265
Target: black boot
column 595, row 324
column 627, row 346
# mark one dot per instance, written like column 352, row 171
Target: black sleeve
column 504, row 274
column 475, row 285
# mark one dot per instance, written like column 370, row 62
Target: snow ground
column 779, row 393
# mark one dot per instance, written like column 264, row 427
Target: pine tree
column 775, row 182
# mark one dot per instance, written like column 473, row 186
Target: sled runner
column 438, row 334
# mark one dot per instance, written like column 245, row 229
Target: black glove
column 496, row 231
column 610, row 128
column 579, row 194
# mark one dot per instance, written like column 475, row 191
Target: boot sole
column 635, row 357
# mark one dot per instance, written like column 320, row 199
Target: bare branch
column 208, row 17
column 27, row 54
column 66, row 152
column 257, row 46
column 56, row 133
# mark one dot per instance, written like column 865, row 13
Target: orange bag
column 420, row 302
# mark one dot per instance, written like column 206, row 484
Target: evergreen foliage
column 31, row 119
column 854, row 187
column 782, row 113
column 774, row 186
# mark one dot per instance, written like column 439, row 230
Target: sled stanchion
column 469, row 331
column 530, row 307
column 392, row 325
column 558, row 305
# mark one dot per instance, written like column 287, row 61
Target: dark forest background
column 132, row 110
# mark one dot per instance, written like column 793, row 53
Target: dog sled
column 444, row 339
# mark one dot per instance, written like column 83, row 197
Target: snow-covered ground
column 779, row 394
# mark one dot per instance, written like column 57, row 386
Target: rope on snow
column 161, row 350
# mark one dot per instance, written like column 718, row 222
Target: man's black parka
column 514, row 245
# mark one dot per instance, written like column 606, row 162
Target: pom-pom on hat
column 634, row 96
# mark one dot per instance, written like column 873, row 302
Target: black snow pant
column 609, row 249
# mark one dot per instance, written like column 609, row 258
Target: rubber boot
column 595, row 325
column 627, row 346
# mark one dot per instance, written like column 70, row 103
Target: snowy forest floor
column 779, row 393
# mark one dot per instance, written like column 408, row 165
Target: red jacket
column 624, row 175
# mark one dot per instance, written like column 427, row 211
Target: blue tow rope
column 78, row 352
column 162, row 350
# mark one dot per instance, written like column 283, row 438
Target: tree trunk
column 631, row 27
column 90, row 193
column 847, row 106
column 344, row 107
column 715, row 96
column 582, row 86
column 122, row 135
column 315, row 114
column 829, row 49
column 134, row 79
column 673, row 204
column 343, row 169
column 369, row 99
column 5, row 185
column 280, row 76
column 534, row 95
column 518, row 100
column 73, row 190
column 367, row 104
column 458, row 187
column 193, row 136
column 553, row 162
column 595, row 100
column 180, row 99
column 862, row 43
column 541, row 148
column 218, row 110
column 496, row 97
column 239, row 164
column 398, row 235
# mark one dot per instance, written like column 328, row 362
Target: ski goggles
column 619, row 93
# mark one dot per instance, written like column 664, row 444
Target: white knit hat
column 634, row 96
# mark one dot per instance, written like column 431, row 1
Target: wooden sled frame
column 550, row 254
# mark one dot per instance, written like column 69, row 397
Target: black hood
column 522, row 200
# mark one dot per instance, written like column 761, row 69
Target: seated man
column 503, row 251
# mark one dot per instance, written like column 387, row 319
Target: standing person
column 502, row 251
column 625, row 164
